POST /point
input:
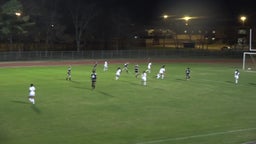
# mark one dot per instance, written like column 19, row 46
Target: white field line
column 195, row 136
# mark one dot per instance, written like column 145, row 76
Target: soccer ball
column 249, row 68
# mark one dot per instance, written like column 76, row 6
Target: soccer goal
column 249, row 58
column 249, row 61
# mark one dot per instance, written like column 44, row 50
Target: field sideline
column 208, row 109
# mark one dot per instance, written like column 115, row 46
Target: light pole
column 243, row 33
column 187, row 18
column 165, row 17
column 18, row 14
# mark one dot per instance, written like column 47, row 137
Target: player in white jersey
column 118, row 73
column 144, row 78
column 32, row 93
column 161, row 72
column 105, row 67
column 149, row 67
column 236, row 75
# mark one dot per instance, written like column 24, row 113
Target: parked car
column 226, row 48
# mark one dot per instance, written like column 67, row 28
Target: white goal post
column 250, row 41
column 249, row 62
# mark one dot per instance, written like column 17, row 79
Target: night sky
column 145, row 11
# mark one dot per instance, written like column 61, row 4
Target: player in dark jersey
column 187, row 72
column 136, row 70
column 125, row 67
column 69, row 73
column 93, row 78
column 95, row 66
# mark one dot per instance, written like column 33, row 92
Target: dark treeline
column 64, row 24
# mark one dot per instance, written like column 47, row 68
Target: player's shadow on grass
column 253, row 84
column 35, row 109
column 73, row 81
column 179, row 79
column 229, row 82
column 20, row 102
column 105, row 94
column 76, row 85
column 77, row 82
column 132, row 83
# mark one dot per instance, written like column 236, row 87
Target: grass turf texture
column 207, row 109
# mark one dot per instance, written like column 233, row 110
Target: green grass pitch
column 207, row 109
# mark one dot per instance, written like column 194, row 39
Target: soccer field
column 207, row 109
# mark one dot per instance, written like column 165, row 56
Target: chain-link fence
column 114, row 54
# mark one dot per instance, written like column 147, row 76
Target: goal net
column 249, row 61
column 249, row 58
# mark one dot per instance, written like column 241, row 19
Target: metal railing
column 114, row 54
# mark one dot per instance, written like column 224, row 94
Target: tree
column 113, row 26
column 82, row 13
column 13, row 21
column 48, row 28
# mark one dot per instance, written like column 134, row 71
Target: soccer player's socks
column 32, row 100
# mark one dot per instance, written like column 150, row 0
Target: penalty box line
column 196, row 136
